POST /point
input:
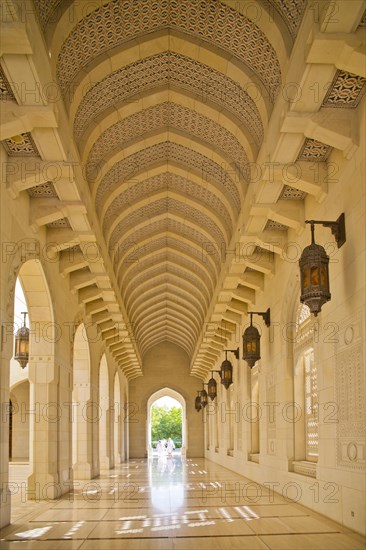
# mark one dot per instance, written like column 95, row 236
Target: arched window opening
column 306, row 394
column 19, row 418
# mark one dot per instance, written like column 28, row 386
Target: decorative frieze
column 167, row 181
column 62, row 223
column 345, row 91
column 291, row 12
column 271, row 225
column 164, row 116
column 314, row 151
column 6, row 93
column 209, row 170
column 117, row 22
column 44, row 190
column 168, row 69
column 21, row 145
column 291, row 194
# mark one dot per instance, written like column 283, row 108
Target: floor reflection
column 167, row 476
column 170, row 504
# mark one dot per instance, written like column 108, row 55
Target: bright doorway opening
column 166, row 423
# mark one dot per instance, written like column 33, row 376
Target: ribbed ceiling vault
column 169, row 101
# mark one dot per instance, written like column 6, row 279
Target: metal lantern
column 21, row 348
column 226, row 373
column 252, row 338
column 203, row 398
column 251, row 344
column 197, row 402
column 212, row 388
column 314, row 274
column 314, row 267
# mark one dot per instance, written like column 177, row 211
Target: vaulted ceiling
column 169, row 104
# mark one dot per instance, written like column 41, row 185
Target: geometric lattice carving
column 171, row 244
column 302, row 315
column 362, row 23
column 45, row 11
column 63, row 222
column 314, row 151
column 165, row 206
column 162, row 226
column 195, row 287
column 44, row 190
column 351, row 426
column 165, row 182
column 173, row 70
column 271, row 225
column 21, row 145
column 168, row 256
column 120, row 21
column 345, row 91
column 291, row 12
column 167, row 151
column 291, row 194
column 144, row 284
column 166, row 291
column 166, row 115
column 6, row 93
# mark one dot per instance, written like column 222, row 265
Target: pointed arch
column 166, row 392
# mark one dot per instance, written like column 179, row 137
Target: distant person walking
column 170, row 446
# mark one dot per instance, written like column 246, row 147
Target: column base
column 105, row 463
column 43, row 487
column 83, row 470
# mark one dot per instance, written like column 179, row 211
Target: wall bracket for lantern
column 337, row 227
column 266, row 315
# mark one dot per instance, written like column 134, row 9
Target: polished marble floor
column 169, row 503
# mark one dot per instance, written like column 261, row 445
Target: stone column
column 5, row 496
column 104, row 433
column 43, row 482
column 83, row 416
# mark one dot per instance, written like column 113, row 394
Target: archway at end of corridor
column 166, row 411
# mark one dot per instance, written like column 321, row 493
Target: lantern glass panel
column 324, row 276
column 314, row 276
column 212, row 389
column 226, row 373
column 203, row 398
column 197, row 403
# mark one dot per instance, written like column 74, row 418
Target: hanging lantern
column 203, row 398
column 251, row 344
column 21, row 348
column 314, row 276
column 252, row 338
column 197, row 403
column 226, row 372
column 314, row 266
column 212, row 388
